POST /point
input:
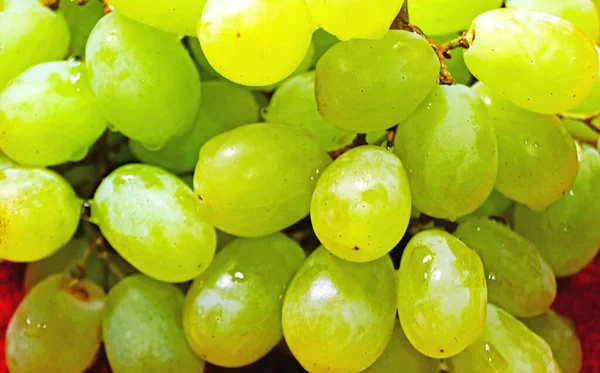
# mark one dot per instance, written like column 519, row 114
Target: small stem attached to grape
column 391, row 137
column 112, row 267
column 79, row 270
column 587, row 119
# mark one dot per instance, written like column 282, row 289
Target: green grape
column 232, row 313
column 255, row 43
column 456, row 65
column 154, row 221
column 323, row 41
column 354, row 19
column 251, row 180
column 559, row 333
column 439, row 17
column 505, row 346
column 6, row 162
column 224, row 106
column 206, row 71
column 441, row 294
column 371, row 85
column 147, row 95
column 142, row 329
column 337, row 315
column 567, row 232
column 401, row 356
column 175, row 16
column 39, row 213
column 495, row 205
column 81, row 19
column 591, row 104
column 535, row 60
column 518, row 279
column 48, row 116
column 533, row 149
column 360, row 212
column 580, row 130
column 449, row 148
column 56, row 328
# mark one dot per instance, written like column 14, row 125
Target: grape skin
column 438, row 17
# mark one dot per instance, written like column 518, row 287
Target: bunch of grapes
column 367, row 185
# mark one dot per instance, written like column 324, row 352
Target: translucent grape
column 48, row 116
column 155, row 222
column 338, row 315
column 441, row 294
column 438, row 17
column 148, row 96
column 255, row 42
column 495, row 205
column 535, row 60
column 323, row 41
column 81, row 19
column 206, row 71
column 371, row 85
column 591, row 104
column 143, row 331
column 6, row 162
column 579, row 130
column 449, row 148
column 456, row 65
column 566, row 232
column 39, row 213
column 56, row 328
column 232, row 313
column 251, row 180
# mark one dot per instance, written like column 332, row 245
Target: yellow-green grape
column 323, row 41
column 505, row 346
column 255, row 43
column 495, row 205
column 533, row 149
column 591, row 105
column 567, row 232
column 154, row 221
column 48, row 115
column 456, row 65
column 6, row 162
column 338, row 316
column 580, row 130
column 518, row 279
column 251, row 180
column 559, row 333
column 81, row 19
column 148, row 96
column 232, row 313
column 56, row 328
column 535, row 60
column 39, row 213
column 142, row 328
column 441, row 294
column 206, row 71
column 360, row 212
column 354, row 19
column 401, row 356
column 224, row 106
column 440, row 17
column 371, row 85
column 448, row 146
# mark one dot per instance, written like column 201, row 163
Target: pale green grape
column 440, row 17
column 144, row 79
column 155, row 222
column 535, row 60
column 518, row 279
column 81, row 20
column 505, row 346
column 371, row 85
column 48, row 116
column 142, row 329
column 56, row 328
column 337, row 315
column 360, row 212
column 441, row 294
column 580, row 130
column 252, row 181
column 6, row 162
column 224, row 106
column 567, row 232
column 456, row 65
column 206, row 71
column 232, row 313
column 39, row 213
column 255, row 42
column 495, row 205
column 354, row 19
column 559, row 333
column 591, row 104
column 323, row 41
column 449, row 148
column 533, row 150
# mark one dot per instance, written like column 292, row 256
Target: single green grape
column 251, row 180
column 371, row 85
column 147, row 95
column 39, row 213
column 81, row 19
column 360, row 212
column 441, row 294
column 579, row 130
column 566, row 232
column 206, row 71
column 337, row 315
column 154, row 221
column 449, row 148
column 6, row 162
column 591, row 104
column 495, row 205
column 323, row 41
column 535, row 60
column 56, row 328
column 456, row 65
column 142, row 328
column 439, row 17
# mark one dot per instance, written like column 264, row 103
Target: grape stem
column 359, row 140
column 78, row 272
column 587, row 119
column 391, row 137
column 52, row 4
column 112, row 266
